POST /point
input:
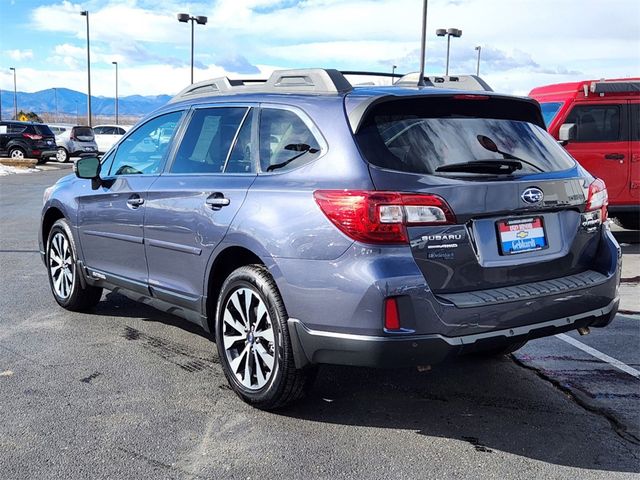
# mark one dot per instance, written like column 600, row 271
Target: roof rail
column 308, row 80
column 457, row 82
column 614, row 86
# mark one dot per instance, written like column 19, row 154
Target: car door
column 601, row 144
column 634, row 146
column 111, row 214
column 191, row 206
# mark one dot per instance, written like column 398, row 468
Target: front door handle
column 614, row 156
column 135, row 201
column 217, row 200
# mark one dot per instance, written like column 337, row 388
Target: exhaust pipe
column 584, row 331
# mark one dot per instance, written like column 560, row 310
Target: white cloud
column 19, row 55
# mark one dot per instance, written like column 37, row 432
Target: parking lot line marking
column 599, row 355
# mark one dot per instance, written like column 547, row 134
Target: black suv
column 20, row 140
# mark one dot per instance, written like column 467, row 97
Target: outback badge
column 532, row 195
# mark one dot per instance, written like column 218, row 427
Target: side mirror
column 567, row 132
column 87, row 167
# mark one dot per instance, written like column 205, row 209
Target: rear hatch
column 511, row 204
column 41, row 136
column 82, row 134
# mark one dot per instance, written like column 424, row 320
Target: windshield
column 421, row 144
column 549, row 111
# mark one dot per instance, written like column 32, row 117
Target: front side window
column 596, row 123
column 285, row 141
column 207, row 140
column 144, row 150
column 549, row 111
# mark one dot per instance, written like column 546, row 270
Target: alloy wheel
column 248, row 336
column 17, row 154
column 61, row 265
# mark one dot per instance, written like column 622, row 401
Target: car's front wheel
column 62, row 155
column 64, row 278
column 16, row 153
column 253, row 340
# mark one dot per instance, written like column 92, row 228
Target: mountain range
column 70, row 102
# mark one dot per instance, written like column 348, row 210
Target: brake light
column 381, row 217
column 466, row 96
column 32, row 136
column 391, row 315
column 598, row 198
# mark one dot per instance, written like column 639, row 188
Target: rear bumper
column 314, row 346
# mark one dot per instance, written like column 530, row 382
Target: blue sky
column 525, row 43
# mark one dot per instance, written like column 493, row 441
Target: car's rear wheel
column 630, row 221
column 62, row 155
column 64, row 278
column 17, row 153
column 253, row 342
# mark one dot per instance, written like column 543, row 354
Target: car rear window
column 424, row 135
column 83, row 132
column 44, row 130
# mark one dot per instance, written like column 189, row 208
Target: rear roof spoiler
column 451, row 82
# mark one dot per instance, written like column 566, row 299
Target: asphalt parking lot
column 128, row 392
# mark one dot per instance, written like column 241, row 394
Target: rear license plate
column 88, row 149
column 521, row 235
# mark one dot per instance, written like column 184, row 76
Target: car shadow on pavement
column 491, row 405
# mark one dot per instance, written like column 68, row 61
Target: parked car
column 57, row 129
column 598, row 122
column 107, row 135
column 20, row 140
column 304, row 221
column 74, row 142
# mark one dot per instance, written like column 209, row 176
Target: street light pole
column 200, row 20
column 15, row 95
column 85, row 13
column 449, row 32
column 423, row 44
column 116, row 64
column 55, row 96
column 478, row 48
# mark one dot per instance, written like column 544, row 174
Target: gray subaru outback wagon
column 305, row 221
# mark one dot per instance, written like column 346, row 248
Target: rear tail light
column 32, row 136
column 598, row 198
column 391, row 315
column 381, row 217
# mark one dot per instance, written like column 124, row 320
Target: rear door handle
column 217, row 200
column 135, row 201
column 614, row 156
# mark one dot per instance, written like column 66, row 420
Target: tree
column 29, row 117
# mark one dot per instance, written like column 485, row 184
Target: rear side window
column 430, row 136
column 16, row 128
column 285, row 141
column 596, row 123
column 634, row 110
column 207, row 140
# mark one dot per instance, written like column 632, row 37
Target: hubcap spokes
column 61, row 265
column 247, row 333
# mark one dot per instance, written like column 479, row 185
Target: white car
column 108, row 135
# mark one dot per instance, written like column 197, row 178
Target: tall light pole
column 15, row 95
column 423, row 44
column 200, row 20
column 478, row 48
column 116, row 64
column 77, row 115
column 449, row 32
column 55, row 96
column 85, row 13
column 393, row 73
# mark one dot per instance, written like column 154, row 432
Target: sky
column 524, row 43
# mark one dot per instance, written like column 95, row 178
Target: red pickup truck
column 598, row 122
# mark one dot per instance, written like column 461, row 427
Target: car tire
column 505, row 350
column 253, row 343
column 62, row 268
column 62, row 156
column 630, row 221
column 17, row 153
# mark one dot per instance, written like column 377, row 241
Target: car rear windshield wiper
column 490, row 145
column 296, row 147
column 500, row 167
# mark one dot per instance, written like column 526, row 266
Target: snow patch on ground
column 6, row 170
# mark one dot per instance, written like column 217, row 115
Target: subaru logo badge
column 532, row 195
